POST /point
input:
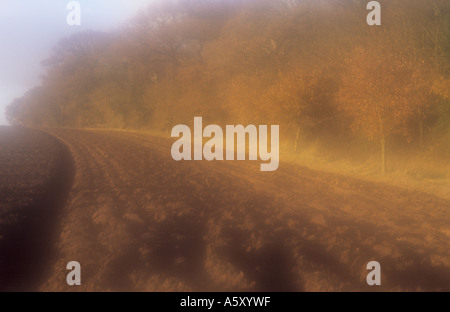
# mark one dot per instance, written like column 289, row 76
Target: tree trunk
column 297, row 138
column 383, row 155
column 61, row 117
column 421, row 134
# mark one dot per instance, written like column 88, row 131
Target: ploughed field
column 135, row 219
column 35, row 176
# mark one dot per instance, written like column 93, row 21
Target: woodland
column 313, row 67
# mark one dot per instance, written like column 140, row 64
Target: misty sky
column 29, row 30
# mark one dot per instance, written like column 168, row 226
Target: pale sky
column 30, row 28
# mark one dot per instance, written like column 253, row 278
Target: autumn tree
column 295, row 95
column 14, row 112
column 34, row 108
column 255, row 61
column 381, row 89
column 70, row 71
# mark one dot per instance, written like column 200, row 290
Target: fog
column 29, row 30
column 120, row 155
column 300, row 64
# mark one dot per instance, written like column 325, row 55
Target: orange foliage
column 381, row 89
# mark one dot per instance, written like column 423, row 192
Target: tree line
column 313, row 67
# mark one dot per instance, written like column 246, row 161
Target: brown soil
column 36, row 173
column 137, row 220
